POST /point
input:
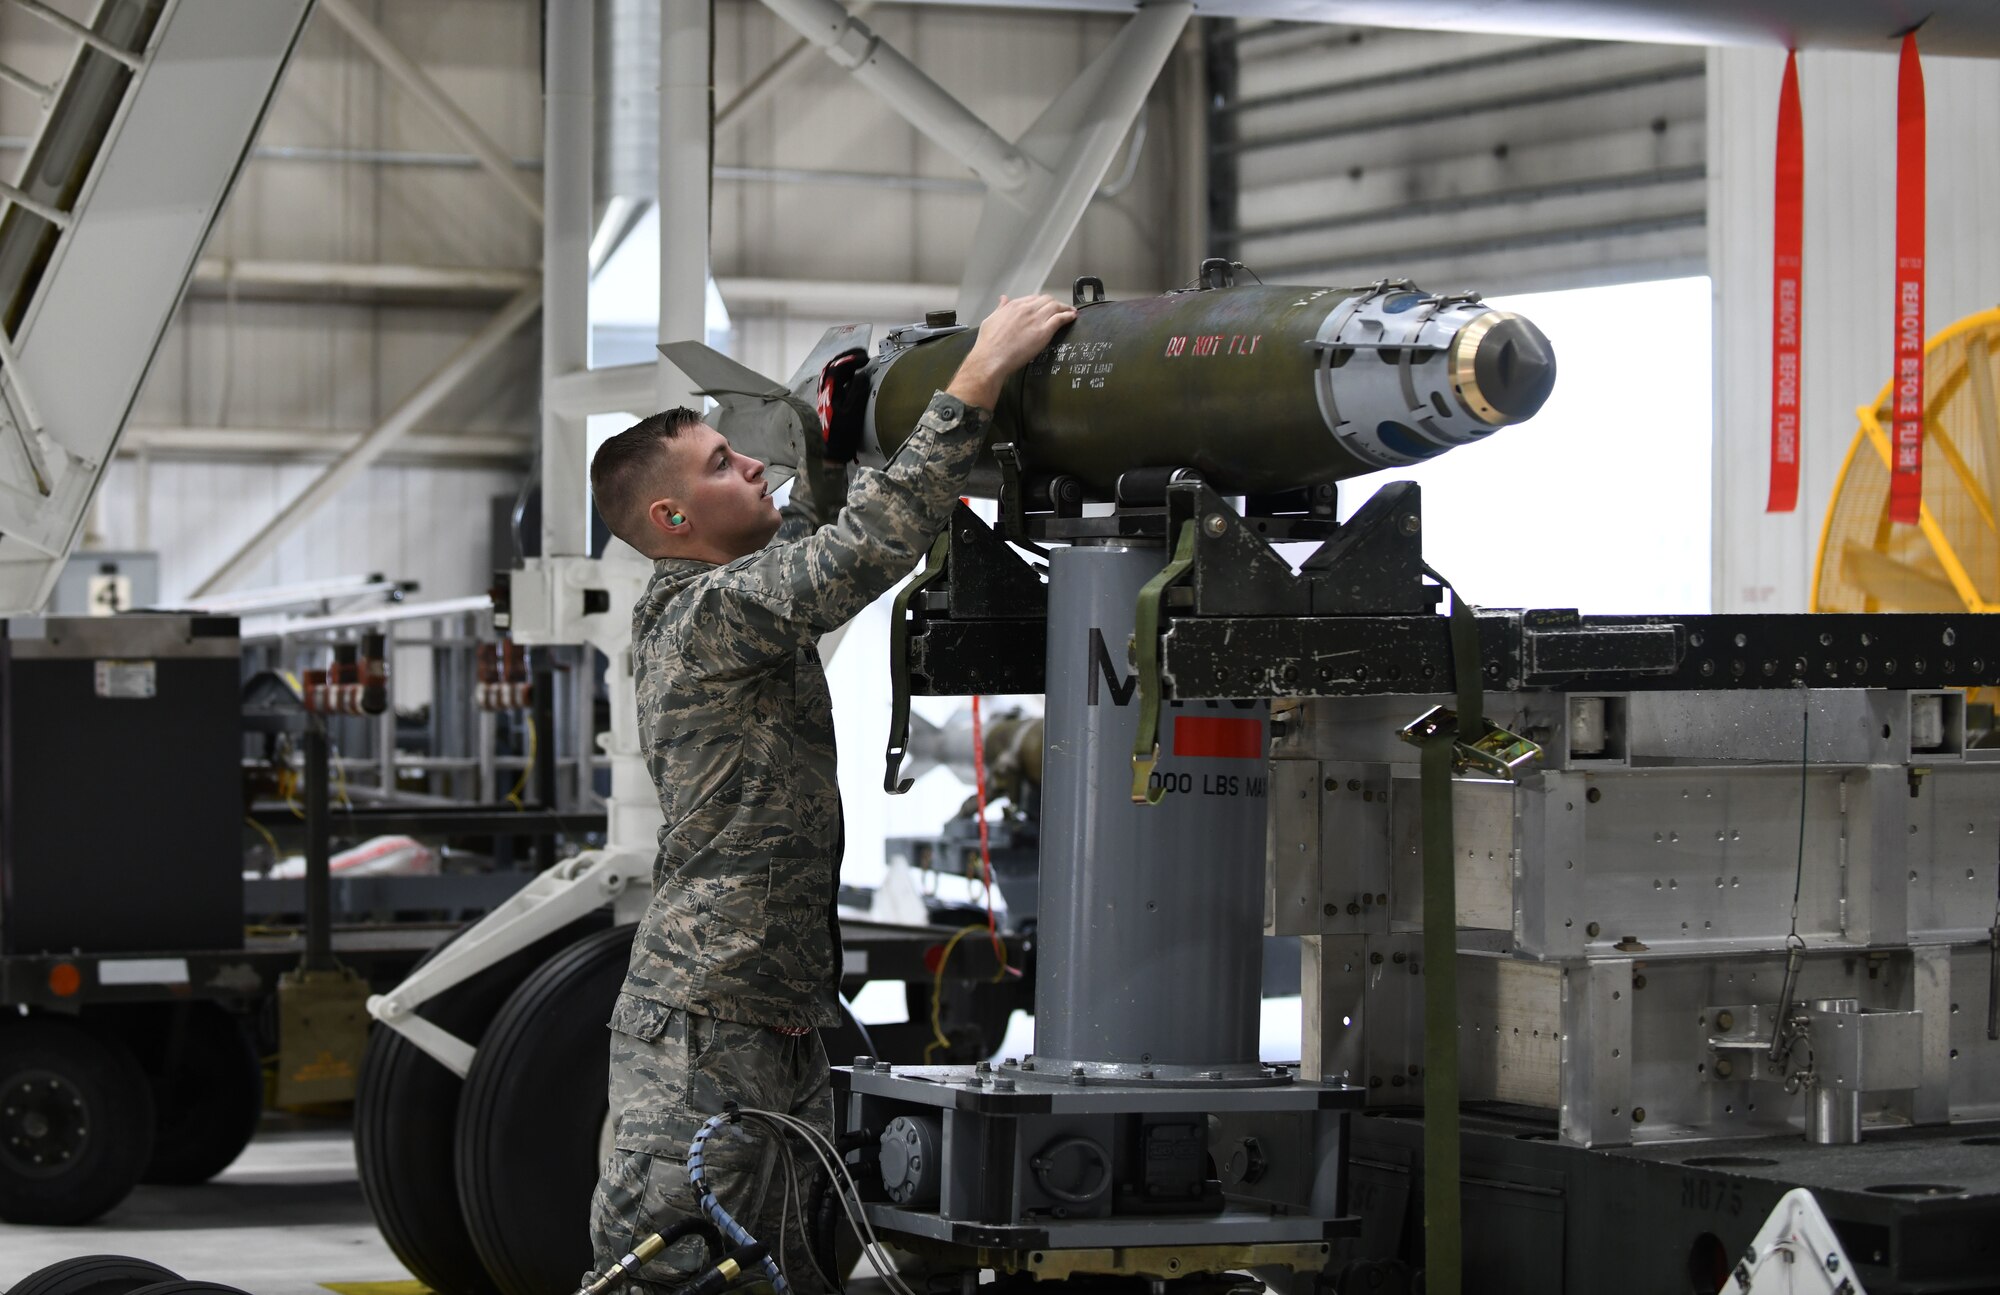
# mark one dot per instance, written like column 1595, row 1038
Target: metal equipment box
column 120, row 787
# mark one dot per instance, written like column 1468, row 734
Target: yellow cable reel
column 1950, row 560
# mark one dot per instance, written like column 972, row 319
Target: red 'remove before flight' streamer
column 1788, row 240
column 1906, row 475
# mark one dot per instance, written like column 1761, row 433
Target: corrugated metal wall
column 1764, row 562
column 1507, row 163
column 427, row 524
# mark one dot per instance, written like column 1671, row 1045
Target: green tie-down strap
column 899, row 665
column 1450, row 741
column 1464, row 651
column 1146, row 658
column 1478, row 744
column 1441, row 1168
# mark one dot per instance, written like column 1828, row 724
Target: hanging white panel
column 427, row 524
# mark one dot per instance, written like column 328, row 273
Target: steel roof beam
column 425, row 91
column 371, row 446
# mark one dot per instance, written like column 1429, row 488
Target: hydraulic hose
column 731, row 1229
column 652, row 1245
column 724, row 1274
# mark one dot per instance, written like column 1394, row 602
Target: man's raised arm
column 818, row 493
column 764, row 606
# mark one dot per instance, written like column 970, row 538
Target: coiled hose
column 713, row 1207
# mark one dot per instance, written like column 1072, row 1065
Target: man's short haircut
column 629, row 471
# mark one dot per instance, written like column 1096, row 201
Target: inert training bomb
column 1260, row 389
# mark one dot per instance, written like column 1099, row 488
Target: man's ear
column 667, row 517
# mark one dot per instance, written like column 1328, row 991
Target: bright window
column 1601, row 501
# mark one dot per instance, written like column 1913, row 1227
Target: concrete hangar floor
column 286, row 1219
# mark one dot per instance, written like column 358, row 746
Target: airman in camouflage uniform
column 736, row 964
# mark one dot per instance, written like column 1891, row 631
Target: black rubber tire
column 405, row 1119
column 93, row 1275
column 180, row 1287
column 532, row 1115
column 97, row 1119
column 208, row 1094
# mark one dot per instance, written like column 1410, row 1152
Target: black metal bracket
column 981, row 627
column 1373, row 563
column 1352, row 656
column 1359, row 619
column 319, row 848
column 979, row 610
column 985, row 579
column 1013, row 493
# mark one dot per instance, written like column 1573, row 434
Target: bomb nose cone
column 1504, row 368
column 1516, row 367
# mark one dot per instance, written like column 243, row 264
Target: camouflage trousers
column 670, row 1071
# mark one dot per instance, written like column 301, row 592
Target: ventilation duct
column 626, row 174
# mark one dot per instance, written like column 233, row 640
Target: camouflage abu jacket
column 738, row 726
